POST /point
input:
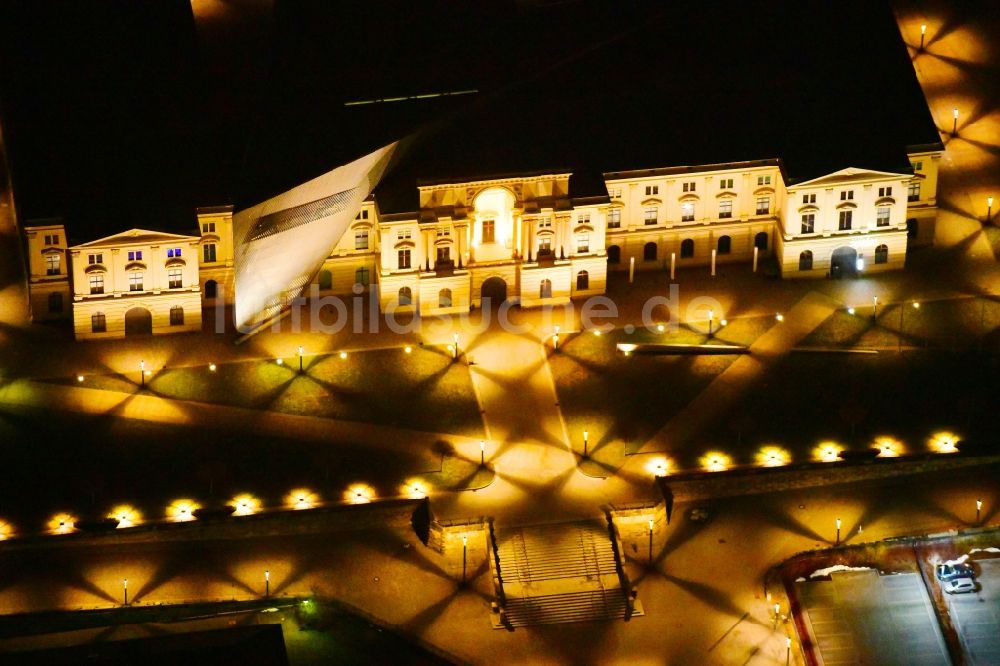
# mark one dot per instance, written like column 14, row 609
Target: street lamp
column 788, row 639
column 650, row 540
column 585, row 443
column 465, row 550
column 902, row 309
column 267, row 582
column 954, row 125
column 301, row 351
column 989, row 208
column 777, row 612
column 455, row 348
column 125, row 590
column 711, row 315
column 555, row 338
column 482, row 453
column 923, row 31
column 142, row 372
column 874, row 307
column 838, row 531
column 979, row 509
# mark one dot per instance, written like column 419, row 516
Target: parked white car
column 960, row 586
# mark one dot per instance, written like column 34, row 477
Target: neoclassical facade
column 530, row 240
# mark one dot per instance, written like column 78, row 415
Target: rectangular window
column 614, row 218
column 97, row 323
column 725, row 208
column 52, row 240
column 403, row 259
column 913, row 192
column 174, row 278
column 882, row 216
column 208, row 252
column 583, row 218
column 208, row 227
column 652, row 190
column 650, row 215
column 135, row 281
column 135, row 255
column 615, row 192
column 688, row 187
column 808, row 198
column 361, row 277
column 808, row 222
column 918, row 166
column 404, row 234
column 763, row 205
column 177, row 316
column 846, row 217
column 361, row 239
column 173, row 252
column 545, row 245
column 52, row 264
column 489, row 231
column 545, row 223
column 97, row 284
column 847, row 195
column 763, row 180
column 687, row 212
column 444, row 254
column 582, row 243
column 443, row 231
column 885, row 191
column 726, row 184
column 95, row 259
column 362, row 214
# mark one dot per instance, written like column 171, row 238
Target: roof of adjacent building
column 480, row 89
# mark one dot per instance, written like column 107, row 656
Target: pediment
column 135, row 237
column 851, row 175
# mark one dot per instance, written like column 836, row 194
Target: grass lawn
column 422, row 390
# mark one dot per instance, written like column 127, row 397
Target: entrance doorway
column 138, row 321
column 844, row 262
column 493, row 292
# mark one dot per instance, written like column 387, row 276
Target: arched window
column 687, row 248
column 55, row 302
column 444, row 298
column 649, row 252
column 582, row 281
column 177, row 316
column 725, row 245
column 614, row 255
column 545, row 289
column 405, row 296
column 760, row 241
column 325, row 280
column 882, row 254
column 211, row 289
column 805, row 260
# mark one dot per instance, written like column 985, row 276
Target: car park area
column 976, row 616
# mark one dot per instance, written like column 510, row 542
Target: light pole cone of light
column 482, row 453
column 711, row 315
column 267, row 582
column 585, row 443
column 989, row 208
column 125, row 590
column 300, row 358
column 923, row 32
column 142, row 373
column 838, row 531
column 954, row 125
column 455, row 346
column 874, row 307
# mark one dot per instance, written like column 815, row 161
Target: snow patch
column 991, row 549
column 959, row 560
column 836, row 567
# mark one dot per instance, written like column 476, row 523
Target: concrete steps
column 567, row 607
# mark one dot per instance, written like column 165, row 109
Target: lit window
column 544, row 245
column 174, row 279
column 913, row 192
column 688, row 187
column 808, row 198
column 882, row 216
column 545, row 289
column 582, row 243
column 846, row 218
column 652, row 190
column 97, row 284
column 650, row 215
column 403, row 259
column 135, row 281
column 444, row 298
column 725, row 208
column 726, row 184
column 489, row 231
column 763, row 180
column 177, row 316
column 95, row 259
column 208, row 253
column 98, row 324
column 361, row 239
column 808, row 223
column 583, row 218
column 173, row 252
column 135, row 256
column 687, row 212
column 614, row 218
column 763, row 205
column 405, row 297
column 52, row 263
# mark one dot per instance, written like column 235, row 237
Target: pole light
column 979, row 509
column 555, row 338
column 301, row 352
column 923, row 32
column 838, row 531
column 465, row 550
column 711, row 316
column 650, row 540
column 267, row 582
column 142, row 373
column 455, row 347
column 482, row 453
column 902, row 309
column 989, row 208
column 874, row 307
column 788, row 643
column 585, row 443
column 125, row 590
column 777, row 613
column 954, row 125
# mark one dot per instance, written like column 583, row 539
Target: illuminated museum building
column 533, row 240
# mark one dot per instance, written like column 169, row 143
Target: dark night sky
column 120, row 113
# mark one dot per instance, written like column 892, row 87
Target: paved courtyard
column 977, row 616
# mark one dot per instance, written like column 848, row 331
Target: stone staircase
column 559, row 573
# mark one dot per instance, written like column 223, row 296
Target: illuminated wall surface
column 282, row 242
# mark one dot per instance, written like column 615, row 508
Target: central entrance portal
column 844, row 262
column 493, row 292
